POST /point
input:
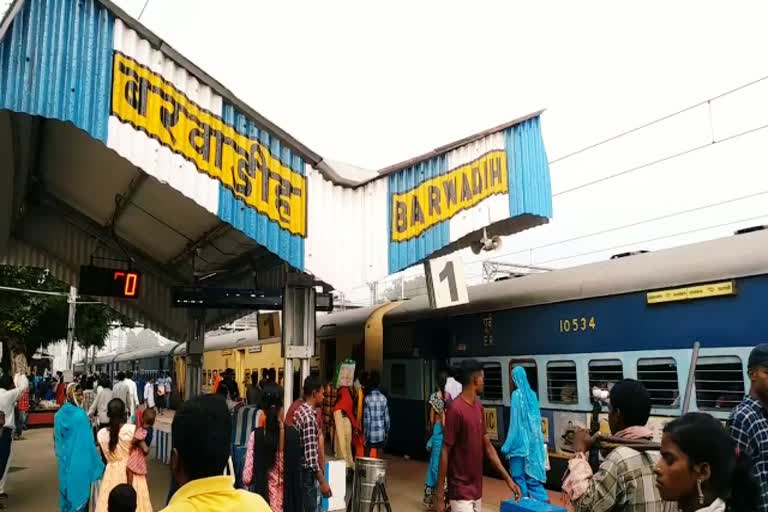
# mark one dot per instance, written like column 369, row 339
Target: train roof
column 145, row 353
column 234, row 339
column 343, row 322
column 221, row 342
column 725, row 258
column 735, row 256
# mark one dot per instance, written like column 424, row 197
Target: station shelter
column 113, row 146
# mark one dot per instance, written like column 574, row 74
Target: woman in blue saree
column 79, row 463
column 437, row 403
column 524, row 446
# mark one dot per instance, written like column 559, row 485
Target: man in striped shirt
column 305, row 421
column 626, row 480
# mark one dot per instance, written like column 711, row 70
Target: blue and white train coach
column 632, row 317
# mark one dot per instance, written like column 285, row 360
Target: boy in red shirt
column 465, row 445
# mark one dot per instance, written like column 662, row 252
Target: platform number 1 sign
column 445, row 281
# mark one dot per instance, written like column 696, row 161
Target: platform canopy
column 113, row 145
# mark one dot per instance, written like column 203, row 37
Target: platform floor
column 33, row 482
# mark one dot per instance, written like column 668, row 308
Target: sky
column 373, row 84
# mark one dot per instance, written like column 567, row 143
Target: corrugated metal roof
column 56, row 62
column 233, row 210
column 524, row 201
column 442, row 150
column 147, row 153
column 348, row 232
column 530, row 187
column 50, row 242
column 405, row 254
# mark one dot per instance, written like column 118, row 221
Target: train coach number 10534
column 579, row 324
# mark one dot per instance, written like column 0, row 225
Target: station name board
column 149, row 103
column 440, row 198
column 701, row 291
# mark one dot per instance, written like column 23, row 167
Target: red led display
column 109, row 282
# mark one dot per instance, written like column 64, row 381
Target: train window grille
column 719, row 382
column 530, row 371
column 659, row 376
column 604, row 373
column 494, row 389
column 562, row 382
column 397, row 375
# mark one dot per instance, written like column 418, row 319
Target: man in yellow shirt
column 202, row 439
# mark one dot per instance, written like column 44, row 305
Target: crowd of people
column 700, row 465
column 103, row 433
column 285, row 458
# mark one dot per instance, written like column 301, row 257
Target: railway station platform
column 33, row 482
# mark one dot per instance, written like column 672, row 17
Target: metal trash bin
column 368, row 471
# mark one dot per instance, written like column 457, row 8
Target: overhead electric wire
column 648, row 240
column 142, row 10
column 660, row 160
column 630, row 225
column 659, row 120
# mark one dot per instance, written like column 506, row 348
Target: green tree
column 29, row 321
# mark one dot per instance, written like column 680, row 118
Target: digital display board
column 109, row 282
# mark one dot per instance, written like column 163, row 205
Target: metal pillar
column 72, row 301
column 298, row 328
column 194, row 359
column 287, row 384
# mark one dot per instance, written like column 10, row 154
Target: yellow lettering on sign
column 442, row 197
column 491, row 426
column 692, row 292
column 244, row 165
column 578, row 324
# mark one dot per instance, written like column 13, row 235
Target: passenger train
column 240, row 350
column 637, row 316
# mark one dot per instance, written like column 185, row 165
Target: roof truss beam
column 122, row 201
column 210, row 235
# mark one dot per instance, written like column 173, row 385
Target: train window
column 561, row 382
column 530, row 372
column 493, row 385
column 604, row 373
column 719, row 382
column 659, row 376
column 397, row 378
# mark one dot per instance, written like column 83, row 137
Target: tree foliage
column 30, row 321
